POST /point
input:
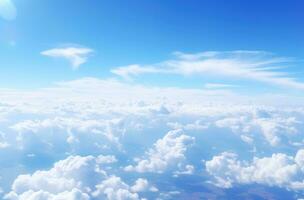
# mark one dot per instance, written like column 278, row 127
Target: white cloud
column 128, row 71
column 4, row 145
column 143, row 185
column 278, row 170
column 75, row 172
column 251, row 65
column 168, row 151
column 85, row 117
column 140, row 185
column 70, row 178
column 75, row 178
column 75, row 55
column 8, row 10
column 74, row 194
column 101, row 159
column 117, row 92
column 273, row 128
column 79, row 118
column 187, row 170
column 73, row 128
column 196, row 125
column 114, row 188
column 218, row 86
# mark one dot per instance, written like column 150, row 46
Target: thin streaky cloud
column 132, row 70
column 249, row 65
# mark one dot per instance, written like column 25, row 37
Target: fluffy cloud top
column 114, row 188
column 278, row 170
column 31, row 195
column 75, row 178
column 75, row 172
column 167, row 151
column 75, row 55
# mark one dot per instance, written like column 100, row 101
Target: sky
column 142, row 32
column 173, row 99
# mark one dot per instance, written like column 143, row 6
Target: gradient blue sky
column 142, row 32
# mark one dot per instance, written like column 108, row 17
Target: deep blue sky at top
column 125, row 32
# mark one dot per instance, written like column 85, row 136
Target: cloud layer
column 100, row 139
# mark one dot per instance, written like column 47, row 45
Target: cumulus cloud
column 75, row 194
column 8, row 10
column 75, row 55
column 75, row 178
column 167, row 151
column 101, row 159
column 252, row 65
column 114, row 188
column 107, row 130
column 278, row 170
column 143, row 185
column 75, row 172
column 140, row 185
column 273, row 128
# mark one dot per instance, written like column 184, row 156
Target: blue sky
column 151, row 99
column 142, row 32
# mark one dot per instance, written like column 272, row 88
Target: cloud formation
column 278, row 170
column 75, row 178
column 167, row 152
column 250, row 65
column 75, row 55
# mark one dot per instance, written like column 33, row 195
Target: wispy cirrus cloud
column 8, row 10
column 250, row 65
column 75, row 55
